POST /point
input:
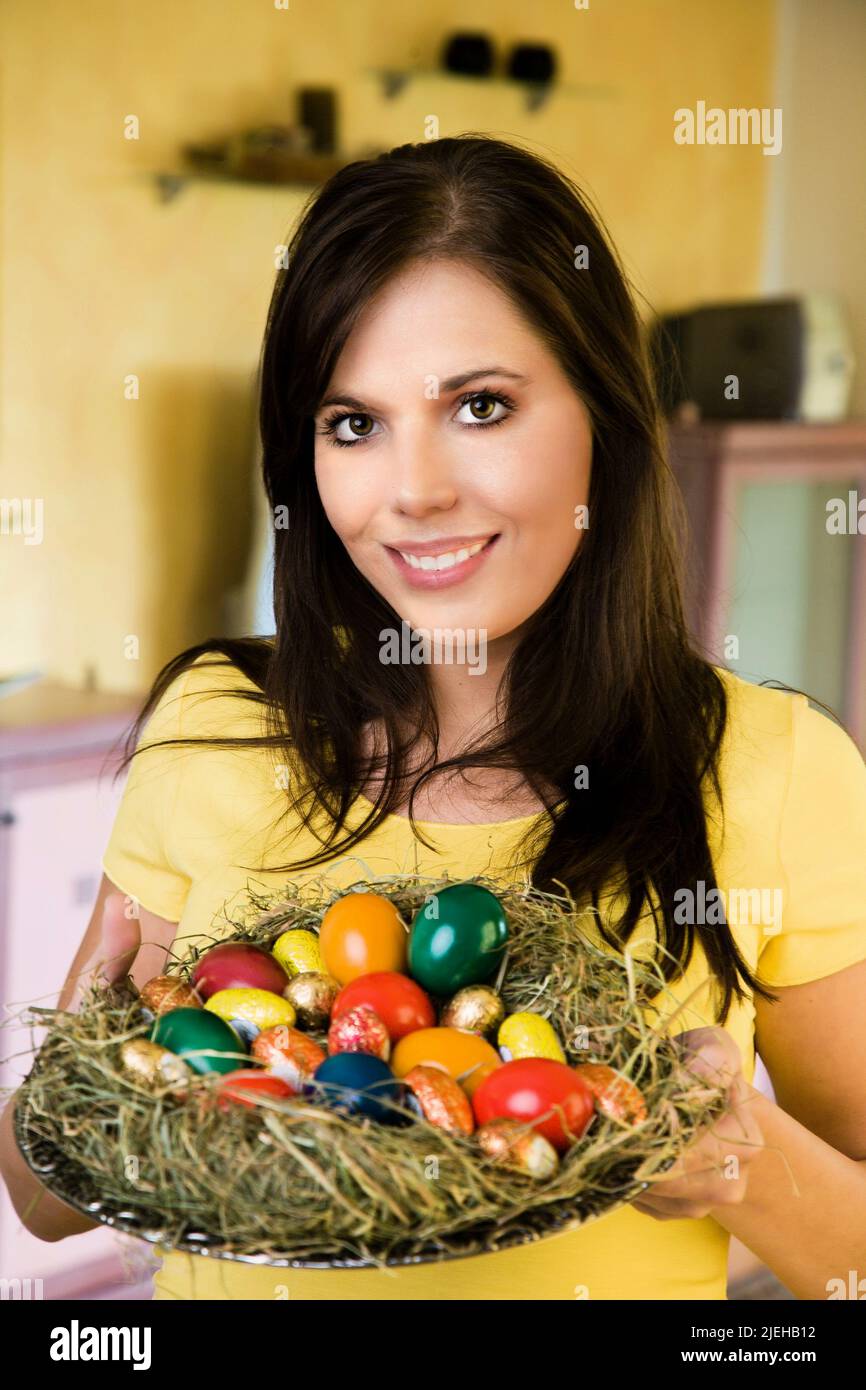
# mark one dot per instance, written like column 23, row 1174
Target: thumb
column 119, row 944
column 710, row 1053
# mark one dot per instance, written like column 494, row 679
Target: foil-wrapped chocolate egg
column 312, row 995
column 298, row 951
column 289, row 1053
column 508, row 1142
column 528, row 1035
column 359, row 1030
column 154, row 1066
column 166, row 992
column 439, row 1099
column 250, row 1010
column 475, row 1009
column 614, row 1095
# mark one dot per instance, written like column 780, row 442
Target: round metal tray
column 71, row 1182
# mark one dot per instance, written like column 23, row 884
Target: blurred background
column 153, row 162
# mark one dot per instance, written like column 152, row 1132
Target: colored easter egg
column 401, row 1004
column 250, row 1010
column 362, row 933
column 439, row 1099
column 528, row 1089
column 194, row 1033
column 528, row 1035
column 298, row 950
column 458, row 938
column 464, row 1056
column 359, row 1084
column 238, row 965
column 359, row 1030
column 246, row 1085
column 288, row 1053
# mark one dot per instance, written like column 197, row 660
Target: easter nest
column 293, row 1182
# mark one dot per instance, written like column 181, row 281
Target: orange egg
column 361, row 933
column 450, row 1049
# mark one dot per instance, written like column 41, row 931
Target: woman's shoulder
column 781, row 725
column 210, row 697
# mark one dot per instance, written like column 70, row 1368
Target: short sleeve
column 822, row 851
column 138, row 858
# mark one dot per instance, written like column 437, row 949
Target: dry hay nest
column 294, row 1183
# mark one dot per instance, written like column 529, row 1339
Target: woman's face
column 433, row 465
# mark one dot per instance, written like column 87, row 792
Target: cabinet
column 776, row 570
column 59, row 750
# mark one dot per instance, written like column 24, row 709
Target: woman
column 461, row 440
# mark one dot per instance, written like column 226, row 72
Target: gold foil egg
column 248, row 1011
column 154, row 1066
column 312, row 995
column 475, row 1009
column 166, row 992
column 528, row 1035
column 508, row 1142
column 298, row 951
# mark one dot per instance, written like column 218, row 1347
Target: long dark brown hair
column 605, row 676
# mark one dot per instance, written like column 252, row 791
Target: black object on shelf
column 317, row 112
column 469, row 54
column 532, row 63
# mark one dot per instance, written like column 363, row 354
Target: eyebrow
column 451, row 383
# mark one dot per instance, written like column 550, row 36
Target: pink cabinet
column 58, row 752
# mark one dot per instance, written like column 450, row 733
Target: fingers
column 121, row 938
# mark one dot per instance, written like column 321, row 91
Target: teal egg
column 186, row 1031
column 458, row 938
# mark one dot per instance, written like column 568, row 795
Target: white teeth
column 442, row 562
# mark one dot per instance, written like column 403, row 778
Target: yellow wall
column 146, row 511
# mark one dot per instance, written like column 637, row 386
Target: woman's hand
column 119, row 944
column 713, row 1171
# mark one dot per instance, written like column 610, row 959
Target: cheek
column 346, row 496
column 540, row 485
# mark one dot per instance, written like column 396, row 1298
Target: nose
column 423, row 475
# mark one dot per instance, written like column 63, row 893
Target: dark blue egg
column 358, row 1083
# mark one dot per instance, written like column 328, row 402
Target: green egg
column 458, row 938
column 186, row 1031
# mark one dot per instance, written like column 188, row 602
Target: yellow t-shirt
column 795, row 825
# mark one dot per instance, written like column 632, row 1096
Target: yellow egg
column 528, row 1035
column 298, row 951
column 250, row 1010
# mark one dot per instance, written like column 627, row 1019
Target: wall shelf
column 394, row 80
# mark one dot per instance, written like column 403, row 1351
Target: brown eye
column 356, row 423
column 485, row 413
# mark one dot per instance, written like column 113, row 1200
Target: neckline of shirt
column 459, row 825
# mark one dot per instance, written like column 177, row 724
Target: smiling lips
column 435, row 564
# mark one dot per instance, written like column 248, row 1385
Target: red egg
column 238, row 965
column 242, row 1087
column 528, row 1089
column 401, row 1004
